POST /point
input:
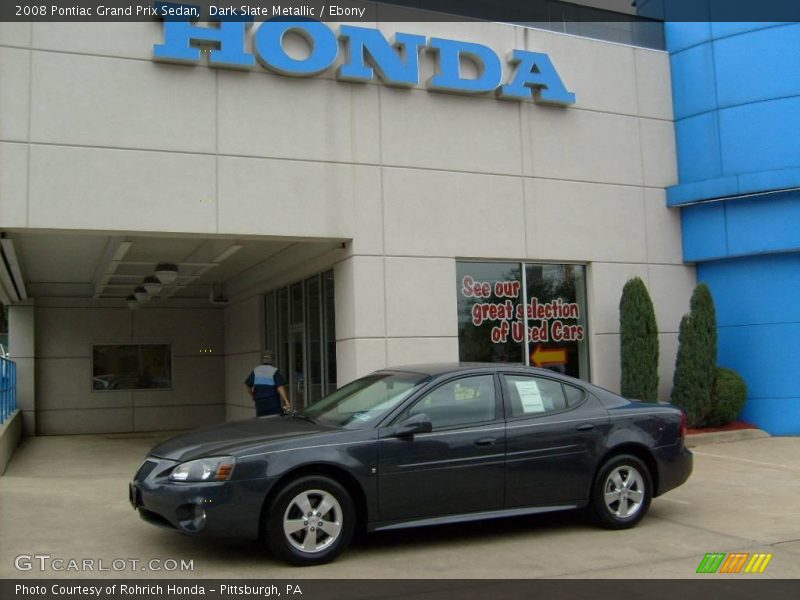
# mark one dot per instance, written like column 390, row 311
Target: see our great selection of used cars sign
column 368, row 54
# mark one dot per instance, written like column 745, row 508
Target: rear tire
column 310, row 521
column 621, row 493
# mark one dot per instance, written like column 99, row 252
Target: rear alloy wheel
column 621, row 493
column 311, row 521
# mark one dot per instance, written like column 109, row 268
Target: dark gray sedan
column 417, row 445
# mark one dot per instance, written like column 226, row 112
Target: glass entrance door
column 297, row 369
column 300, row 327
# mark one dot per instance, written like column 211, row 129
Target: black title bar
column 514, row 11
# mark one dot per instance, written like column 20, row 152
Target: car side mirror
column 419, row 423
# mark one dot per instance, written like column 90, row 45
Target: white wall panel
column 659, row 162
column 191, row 332
column 97, row 101
column 421, row 297
column 13, row 184
column 435, row 213
column 606, row 281
column 653, row 84
column 243, row 329
column 663, row 228
column 358, row 357
column 360, row 297
column 124, row 190
column 196, row 380
column 82, row 421
column 598, row 73
column 285, row 198
column 477, row 135
column 15, row 34
column 606, row 362
column 410, row 350
column 671, row 289
column 124, row 40
column 581, row 145
column 584, row 221
column 15, row 73
column 307, row 119
column 164, row 418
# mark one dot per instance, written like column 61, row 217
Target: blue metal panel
column 758, row 137
column 755, row 290
column 722, row 29
column 763, row 65
column 765, row 356
column 679, row 36
column 693, row 84
column 698, row 143
column 778, row 416
column 703, row 229
column 741, row 227
column 759, row 225
column 749, row 77
column 759, row 331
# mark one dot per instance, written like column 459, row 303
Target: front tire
column 310, row 521
column 621, row 493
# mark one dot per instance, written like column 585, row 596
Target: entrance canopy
column 111, row 268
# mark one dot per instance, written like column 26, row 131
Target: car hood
column 235, row 436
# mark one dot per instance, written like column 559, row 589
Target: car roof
column 435, row 369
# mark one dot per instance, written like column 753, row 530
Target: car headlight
column 216, row 468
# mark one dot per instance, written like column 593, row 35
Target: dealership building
column 175, row 199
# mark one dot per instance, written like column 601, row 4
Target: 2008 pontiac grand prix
column 417, row 445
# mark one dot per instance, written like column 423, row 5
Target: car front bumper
column 220, row 509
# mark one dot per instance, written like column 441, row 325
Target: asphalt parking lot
column 66, row 497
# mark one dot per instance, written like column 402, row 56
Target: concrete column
column 244, row 332
column 21, row 348
column 360, row 317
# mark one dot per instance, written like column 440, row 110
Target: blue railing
column 8, row 388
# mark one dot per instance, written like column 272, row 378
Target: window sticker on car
column 464, row 392
column 530, row 396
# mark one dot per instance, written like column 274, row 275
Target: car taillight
column 682, row 428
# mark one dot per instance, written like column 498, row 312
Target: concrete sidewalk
column 67, row 497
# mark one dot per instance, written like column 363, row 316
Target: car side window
column 574, row 395
column 530, row 396
column 461, row 402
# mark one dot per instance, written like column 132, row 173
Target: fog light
column 191, row 517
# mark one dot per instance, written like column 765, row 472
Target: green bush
column 638, row 343
column 728, row 396
column 696, row 364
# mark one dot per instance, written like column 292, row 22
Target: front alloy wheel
column 310, row 521
column 621, row 493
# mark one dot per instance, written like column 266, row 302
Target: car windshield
column 361, row 403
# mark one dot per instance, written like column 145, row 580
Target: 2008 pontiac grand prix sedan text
column 417, row 445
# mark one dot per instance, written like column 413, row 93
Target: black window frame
column 499, row 402
column 547, row 413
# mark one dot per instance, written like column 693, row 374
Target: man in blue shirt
column 266, row 386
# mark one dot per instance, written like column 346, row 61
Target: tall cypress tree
column 696, row 364
column 638, row 343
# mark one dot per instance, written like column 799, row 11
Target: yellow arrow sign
column 549, row 356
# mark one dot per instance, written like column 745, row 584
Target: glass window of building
column 489, row 315
column 300, row 325
column 131, row 367
column 534, row 314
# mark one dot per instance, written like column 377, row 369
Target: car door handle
column 485, row 442
column 585, row 427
